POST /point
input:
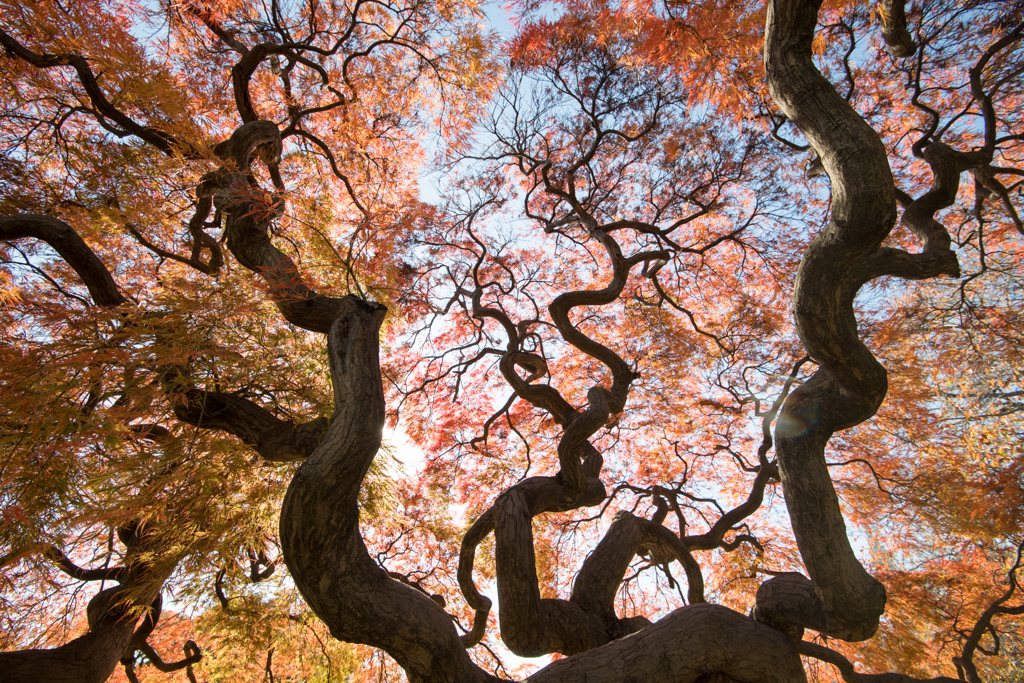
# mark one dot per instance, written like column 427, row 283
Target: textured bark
column 513, row 510
column 691, row 643
column 319, row 527
column 850, row 384
column 320, row 536
column 530, row 626
column 841, row 599
column 275, row 440
column 249, row 211
column 936, row 257
column 893, row 17
column 92, row 657
column 360, row 603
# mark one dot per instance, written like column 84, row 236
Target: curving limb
column 201, row 241
column 248, row 211
column 851, row 675
column 893, row 16
column 540, row 495
column 690, row 645
column 90, row 658
column 105, row 112
column 319, row 528
column 275, row 440
column 480, row 603
column 965, row 662
column 71, row 247
column 258, row 559
column 532, row 626
column 574, row 445
column 74, row 571
column 543, row 396
column 841, row 599
column 602, row 572
column 193, row 655
column 563, row 304
column 936, row 257
column 112, row 617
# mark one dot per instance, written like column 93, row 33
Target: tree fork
column 112, row 616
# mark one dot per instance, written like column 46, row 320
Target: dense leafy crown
column 667, row 341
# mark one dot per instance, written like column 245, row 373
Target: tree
column 210, row 209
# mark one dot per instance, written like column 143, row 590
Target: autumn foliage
column 694, row 322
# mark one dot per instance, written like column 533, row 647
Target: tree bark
column 841, row 599
column 93, row 656
column 71, row 247
column 90, row 658
column 320, row 536
column 691, row 643
column 844, row 601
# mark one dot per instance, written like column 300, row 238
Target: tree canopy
column 703, row 318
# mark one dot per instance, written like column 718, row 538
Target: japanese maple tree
column 714, row 359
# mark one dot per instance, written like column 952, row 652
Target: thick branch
column 274, row 439
column 850, row 384
column 241, row 73
column 540, row 495
column 893, row 16
column 541, row 396
column 687, row 646
column 936, row 257
column 601, row 574
column 80, row 573
column 319, row 528
column 249, row 212
column 531, row 626
column 66, row 242
column 92, row 657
